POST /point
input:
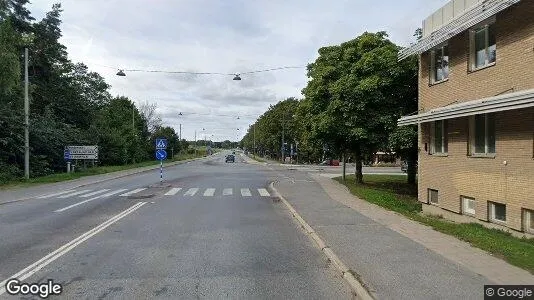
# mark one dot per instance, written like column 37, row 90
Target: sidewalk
column 395, row 257
column 24, row 193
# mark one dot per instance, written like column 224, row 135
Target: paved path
column 397, row 258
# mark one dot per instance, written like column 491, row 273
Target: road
column 210, row 230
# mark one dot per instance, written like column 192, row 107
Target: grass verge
column 91, row 171
column 393, row 193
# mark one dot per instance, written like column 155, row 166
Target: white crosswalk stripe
column 191, row 192
column 91, row 199
column 209, row 192
column 246, row 193
column 73, row 194
column 172, row 191
column 132, row 192
column 227, row 192
column 264, row 193
column 94, row 193
column 55, row 194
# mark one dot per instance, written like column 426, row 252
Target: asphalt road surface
column 210, row 230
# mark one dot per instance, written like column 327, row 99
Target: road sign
column 66, row 154
column 83, row 152
column 161, row 154
column 161, row 143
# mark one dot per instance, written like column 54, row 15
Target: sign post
column 161, row 154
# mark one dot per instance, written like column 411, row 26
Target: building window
column 468, row 206
column 497, row 212
column 439, row 66
column 438, row 137
column 432, row 196
column 483, row 46
column 528, row 217
column 482, row 134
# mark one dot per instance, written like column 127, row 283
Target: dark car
column 230, row 158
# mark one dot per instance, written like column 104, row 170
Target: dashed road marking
column 91, row 199
column 172, row 191
column 132, row 192
column 246, row 193
column 264, row 193
column 94, row 193
column 55, row 194
column 191, row 192
column 227, row 192
column 73, row 194
column 209, row 192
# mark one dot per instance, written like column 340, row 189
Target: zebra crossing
column 172, row 191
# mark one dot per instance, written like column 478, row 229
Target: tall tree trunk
column 344, row 166
column 411, row 166
column 358, row 160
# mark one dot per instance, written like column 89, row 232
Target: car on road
column 230, row 158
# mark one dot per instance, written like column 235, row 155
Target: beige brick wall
column 485, row 179
column 514, row 67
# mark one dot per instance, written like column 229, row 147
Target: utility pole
column 180, row 132
column 26, row 119
column 254, row 129
column 283, row 132
column 195, row 142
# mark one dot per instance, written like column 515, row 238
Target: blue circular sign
column 161, row 154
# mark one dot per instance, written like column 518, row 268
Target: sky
column 226, row 36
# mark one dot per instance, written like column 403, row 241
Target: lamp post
column 26, row 118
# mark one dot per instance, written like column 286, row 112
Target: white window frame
column 528, row 220
column 465, row 207
column 444, row 146
column 472, row 47
column 491, row 212
column 429, row 191
column 472, row 137
column 433, row 53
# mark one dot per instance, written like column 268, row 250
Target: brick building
column 476, row 112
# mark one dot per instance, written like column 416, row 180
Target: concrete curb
column 357, row 287
column 126, row 174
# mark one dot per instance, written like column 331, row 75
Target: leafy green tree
column 354, row 94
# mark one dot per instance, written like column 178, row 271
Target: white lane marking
column 172, row 191
column 264, row 193
column 43, row 262
column 94, row 193
column 191, row 192
column 209, row 192
column 227, row 192
column 74, row 194
column 245, row 193
column 91, row 199
column 55, row 194
column 132, row 192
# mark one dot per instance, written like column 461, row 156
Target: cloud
column 219, row 36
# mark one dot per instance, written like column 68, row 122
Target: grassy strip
column 91, row 171
column 393, row 193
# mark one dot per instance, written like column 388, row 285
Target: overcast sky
column 226, row 36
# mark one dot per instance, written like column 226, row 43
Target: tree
column 149, row 112
column 354, row 95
